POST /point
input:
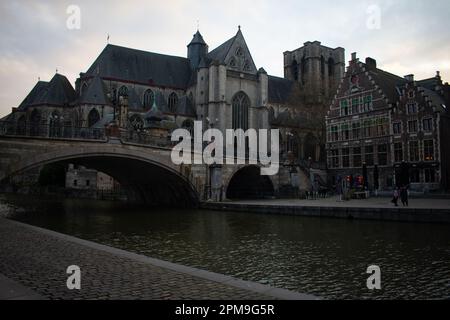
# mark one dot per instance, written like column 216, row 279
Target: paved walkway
column 382, row 203
column 38, row 258
column 12, row 290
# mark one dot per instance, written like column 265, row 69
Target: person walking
column 404, row 196
column 315, row 189
column 339, row 188
column 395, row 198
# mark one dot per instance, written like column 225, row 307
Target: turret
column 197, row 49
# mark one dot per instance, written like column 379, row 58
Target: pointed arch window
column 83, row 88
column 303, row 70
column 322, row 66
column 246, row 66
column 331, row 67
column 233, row 62
column 35, row 122
column 241, row 105
column 173, row 102
column 295, row 69
column 191, row 102
column 149, row 99
column 93, row 117
column 21, row 126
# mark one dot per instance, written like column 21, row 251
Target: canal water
column 325, row 257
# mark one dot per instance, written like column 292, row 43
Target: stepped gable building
column 223, row 88
column 380, row 119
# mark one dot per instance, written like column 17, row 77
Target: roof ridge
column 144, row 51
column 277, row 77
column 223, row 45
column 388, row 73
column 231, row 44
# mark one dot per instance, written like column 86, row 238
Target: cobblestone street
column 38, row 259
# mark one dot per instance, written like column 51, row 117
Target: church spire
column 197, row 49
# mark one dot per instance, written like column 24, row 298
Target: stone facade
column 223, row 88
column 81, row 178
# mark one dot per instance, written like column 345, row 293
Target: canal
column 324, row 257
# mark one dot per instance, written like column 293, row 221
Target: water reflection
column 326, row 257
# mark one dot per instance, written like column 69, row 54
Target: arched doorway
column 310, row 146
column 248, row 183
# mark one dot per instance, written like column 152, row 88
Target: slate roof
column 134, row 101
column 95, row 93
column 197, row 39
column 34, row 93
column 436, row 99
column 220, row 53
column 57, row 92
column 430, row 83
column 108, row 118
column 387, row 82
column 144, row 67
column 280, row 90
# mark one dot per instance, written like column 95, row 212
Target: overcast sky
column 411, row 36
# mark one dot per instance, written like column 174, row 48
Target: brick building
column 420, row 125
column 380, row 119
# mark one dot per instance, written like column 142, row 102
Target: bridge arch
column 248, row 183
column 147, row 176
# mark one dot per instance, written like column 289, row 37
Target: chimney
column 371, row 63
column 409, row 78
column 438, row 74
column 354, row 56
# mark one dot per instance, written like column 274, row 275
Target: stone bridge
column 145, row 172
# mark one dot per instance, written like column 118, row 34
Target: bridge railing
column 144, row 138
column 50, row 131
column 47, row 131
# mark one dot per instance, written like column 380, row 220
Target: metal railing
column 80, row 133
column 144, row 138
column 51, row 131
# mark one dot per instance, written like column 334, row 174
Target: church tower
column 197, row 49
column 318, row 70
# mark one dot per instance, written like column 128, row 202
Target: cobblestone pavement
column 39, row 259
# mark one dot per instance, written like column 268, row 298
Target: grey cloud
column 414, row 33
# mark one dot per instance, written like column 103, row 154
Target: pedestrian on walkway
column 395, row 198
column 404, row 196
column 315, row 187
column 339, row 188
